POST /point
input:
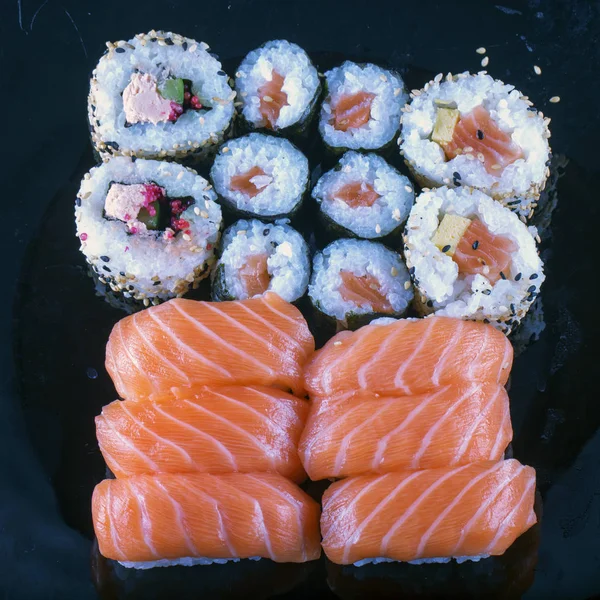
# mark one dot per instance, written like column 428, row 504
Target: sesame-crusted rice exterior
column 519, row 184
column 152, row 266
column 195, row 135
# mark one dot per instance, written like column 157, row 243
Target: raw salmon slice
column 365, row 433
column 477, row 509
column 357, row 193
column 244, row 183
column 352, row 111
column 154, row 517
column 272, row 99
column 477, row 130
column 409, row 357
column 207, row 430
column 480, row 251
column 364, row 291
column 255, row 275
column 261, row 341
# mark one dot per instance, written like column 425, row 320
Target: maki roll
column 147, row 228
column 257, row 257
column 364, row 196
column 260, row 176
column 355, row 281
column 159, row 95
column 477, row 131
column 363, row 106
column 471, row 258
column 278, row 88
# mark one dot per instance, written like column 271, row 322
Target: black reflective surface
column 55, row 328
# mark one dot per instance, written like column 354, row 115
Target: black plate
column 59, row 328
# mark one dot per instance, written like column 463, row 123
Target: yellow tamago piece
column 445, row 122
column 449, row 232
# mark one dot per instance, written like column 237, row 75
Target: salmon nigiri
column 261, row 341
column 367, row 433
column 159, row 520
column 409, row 357
column 211, row 430
column 472, row 511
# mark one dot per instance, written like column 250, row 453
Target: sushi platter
column 304, row 297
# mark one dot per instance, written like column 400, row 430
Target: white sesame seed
column 555, row 99
column 186, row 237
column 406, row 285
column 285, row 249
column 267, row 98
column 397, row 91
column 180, row 175
column 241, row 232
column 193, row 48
column 486, row 61
column 438, row 77
column 416, row 92
column 383, row 77
column 225, row 149
column 197, row 211
column 467, row 149
column 481, row 50
column 337, row 343
column 204, row 214
column 537, row 70
column 496, row 167
column 480, row 157
column 396, row 214
column 378, row 228
column 408, row 188
column 469, row 157
column 394, row 271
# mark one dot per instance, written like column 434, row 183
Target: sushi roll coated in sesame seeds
column 278, row 88
column 257, row 257
column 471, row 258
column 355, row 281
column 364, row 196
column 477, row 131
column 147, row 228
column 362, row 107
column 159, row 95
column 260, row 176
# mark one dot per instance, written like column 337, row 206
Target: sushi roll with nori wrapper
column 477, row 131
column 362, row 108
column 260, row 176
column 257, row 257
column 159, row 95
column 471, row 258
column 355, row 281
column 278, row 87
column 364, row 196
column 147, row 228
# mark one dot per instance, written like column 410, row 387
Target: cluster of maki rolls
column 159, row 95
column 471, row 258
column 364, row 196
column 278, row 88
column 257, row 257
column 147, row 228
column 260, row 176
column 473, row 130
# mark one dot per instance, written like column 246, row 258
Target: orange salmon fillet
column 153, row 517
column 242, row 183
column 479, row 248
column 478, row 131
column 272, row 99
column 357, row 193
column 352, row 111
column 261, row 341
column 409, row 357
column 207, row 430
column 255, row 275
column 364, row 291
column 475, row 509
column 364, row 433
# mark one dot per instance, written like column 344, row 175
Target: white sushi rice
column 520, row 182
column 387, row 213
column 184, row 58
column 422, row 561
column 390, row 96
column 442, row 289
column 360, row 257
column 301, row 81
column 182, row 562
column 147, row 258
column 284, row 184
column 288, row 262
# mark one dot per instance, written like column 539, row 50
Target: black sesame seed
column 133, row 159
column 122, row 273
column 502, row 275
column 184, row 46
column 91, row 373
column 153, row 39
column 534, row 276
column 486, row 321
column 130, row 288
column 412, row 270
column 156, row 283
column 78, row 201
column 168, row 41
column 456, row 175
column 513, row 202
column 480, row 135
column 107, row 269
column 113, row 145
column 214, row 55
column 518, row 276
column 119, row 50
column 222, row 73
column 446, row 248
column 430, row 303
column 531, row 289
column 487, row 292
column 475, row 245
column 265, row 232
column 105, row 258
